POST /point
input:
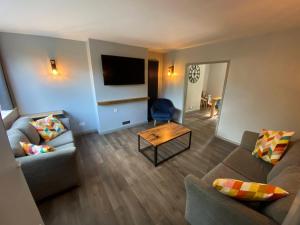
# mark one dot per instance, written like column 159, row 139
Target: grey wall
column 136, row 112
column 17, row 205
column 262, row 86
column 215, row 79
column 26, row 59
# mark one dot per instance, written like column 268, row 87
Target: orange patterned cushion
column 271, row 145
column 31, row 149
column 49, row 127
column 249, row 191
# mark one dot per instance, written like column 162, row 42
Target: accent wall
column 111, row 117
column 26, row 58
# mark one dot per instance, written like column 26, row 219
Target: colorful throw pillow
column 31, row 149
column 249, row 191
column 271, row 145
column 49, row 127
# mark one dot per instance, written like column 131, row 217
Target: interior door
column 152, row 84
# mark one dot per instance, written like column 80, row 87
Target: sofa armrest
column 172, row 110
column 293, row 216
column 50, row 173
column 249, row 140
column 205, row 205
column 66, row 122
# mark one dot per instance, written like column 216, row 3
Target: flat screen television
column 122, row 70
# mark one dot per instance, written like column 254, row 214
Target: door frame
column 186, row 85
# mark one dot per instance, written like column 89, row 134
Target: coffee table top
column 163, row 133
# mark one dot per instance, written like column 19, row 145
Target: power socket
column 115, row 110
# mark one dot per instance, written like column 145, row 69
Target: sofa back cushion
column 15, row 137
column 289, row 180
column 290, row 158
column 23, row 124
column 249, row 140
column 242, row 161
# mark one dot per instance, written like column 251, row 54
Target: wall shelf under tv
column 121, row 101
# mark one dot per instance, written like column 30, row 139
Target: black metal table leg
column 139, row 143
column 190, row 140
column 155, row 156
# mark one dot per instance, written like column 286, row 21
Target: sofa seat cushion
column 242, row 161
column 222, row 171
column 23, row 124
column 62, row 139
column 291, row 158
column 288, row 179
column 15, row 136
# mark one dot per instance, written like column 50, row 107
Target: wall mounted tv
column 122, row 70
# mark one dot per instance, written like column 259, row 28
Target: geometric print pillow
column 48, row 127
column 31, row 149
column 271, row 145
column 249, row 191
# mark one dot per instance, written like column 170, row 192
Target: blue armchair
column 162, row 110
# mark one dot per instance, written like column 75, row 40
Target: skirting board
column 225, row 139
column 85, row 132
column 123, row 127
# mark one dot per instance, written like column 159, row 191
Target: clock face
column 194, row 73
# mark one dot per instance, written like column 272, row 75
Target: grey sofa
column 206, row 206
column 48, row 173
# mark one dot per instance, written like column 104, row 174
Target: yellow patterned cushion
column 49, row 127
column 31, row 149
column 271, row 145
column 249, row 191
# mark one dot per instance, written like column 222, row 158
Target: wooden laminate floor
column 120, row 186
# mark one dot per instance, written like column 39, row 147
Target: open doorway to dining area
column 205, row 85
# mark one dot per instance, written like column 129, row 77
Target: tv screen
column 122, row 70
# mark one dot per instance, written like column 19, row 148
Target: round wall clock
column 194, row 73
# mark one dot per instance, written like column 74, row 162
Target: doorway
column 204, row 91
column 152, row 84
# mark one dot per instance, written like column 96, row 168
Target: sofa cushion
column 271, row 145
column 31, row 149
column 23, row 124
column 249, row 191
column 288, row 179
column 15, row 137
column 242, row 161
column 49, row 127
column 62, row 139
column 249, row 139
column 222, row 171
column 291, row 158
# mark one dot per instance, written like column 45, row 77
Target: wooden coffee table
column 160, row 135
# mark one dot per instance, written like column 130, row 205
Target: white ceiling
column 155, row 24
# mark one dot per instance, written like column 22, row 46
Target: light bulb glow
column 54, row 72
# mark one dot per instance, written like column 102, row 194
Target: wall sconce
column 53, row 67
column 171, row 70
